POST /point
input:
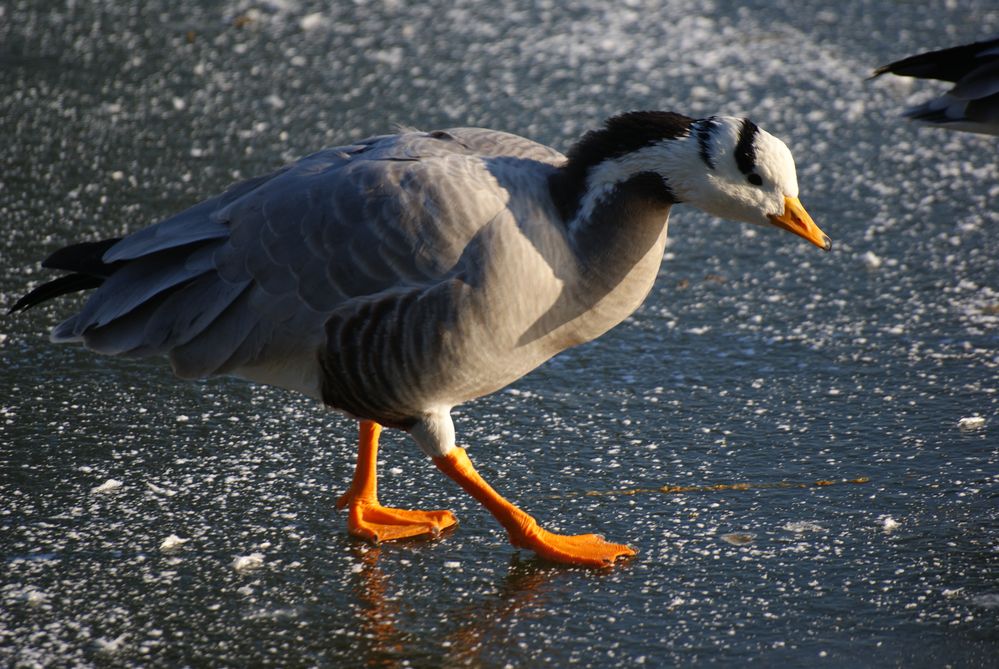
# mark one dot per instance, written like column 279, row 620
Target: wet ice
column 753, row 361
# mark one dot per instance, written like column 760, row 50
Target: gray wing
column 485, row 142
column 249, row 278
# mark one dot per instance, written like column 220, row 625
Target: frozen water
column 763, row 389
column 800, row 526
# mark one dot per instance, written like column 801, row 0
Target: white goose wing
column 249, row 278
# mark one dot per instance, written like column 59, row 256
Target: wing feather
column 124, row 336
column 187, row 312
column 135, row 283
column 205, row 220
column 206, row 352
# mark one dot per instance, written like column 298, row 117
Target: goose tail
column 87, row 271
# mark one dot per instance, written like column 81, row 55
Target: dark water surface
column 823, row 504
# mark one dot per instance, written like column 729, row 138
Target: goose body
column 972, row 104
column 399, row 276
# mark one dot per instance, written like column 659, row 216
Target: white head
column 742, row 173
column 725, row 166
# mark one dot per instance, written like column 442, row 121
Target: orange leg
column 582, row 549
column 369, row 519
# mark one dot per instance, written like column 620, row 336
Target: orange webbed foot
column 371, row 521
column 589, row 550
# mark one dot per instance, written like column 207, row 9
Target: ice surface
column 111, row 646
column 158, row 490
column 801, row 526
column 755, row 360
column 989, row 600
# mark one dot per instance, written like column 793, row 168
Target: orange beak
column 795, row 219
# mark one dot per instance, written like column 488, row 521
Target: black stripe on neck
column 620, row 135
column 704, row 130
column 745, row 149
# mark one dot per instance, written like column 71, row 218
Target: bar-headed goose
column 397, row 277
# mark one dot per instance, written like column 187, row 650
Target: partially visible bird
column 397, row 277
column 972, row 104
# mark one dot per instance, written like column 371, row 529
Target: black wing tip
column 70, row 283
column 946, row 64
column 884, row 69
column 88, row 269
column 26, row 302
column 84, row 257
column 23, row 304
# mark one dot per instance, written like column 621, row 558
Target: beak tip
column 826, row 243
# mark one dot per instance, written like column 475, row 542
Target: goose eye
column 755, row 179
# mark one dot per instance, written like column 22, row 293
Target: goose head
column 742, row 173
column 725, row 166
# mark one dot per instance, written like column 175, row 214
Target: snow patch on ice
column 871, row 260
column 971, row 423
column 172, row 543
column 109, row 486
column 113, row 646
column 312, row 21
column 801, row 526
column 243, row 563
column 157, row 490
column 888, row 524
